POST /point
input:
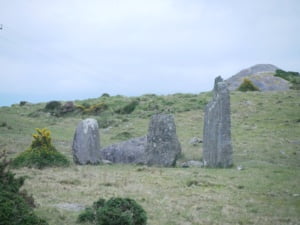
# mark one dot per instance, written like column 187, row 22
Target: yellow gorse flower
column 41, row 138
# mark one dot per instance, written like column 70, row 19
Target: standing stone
column 86, row 143
column 163, row 147
column 217, row 149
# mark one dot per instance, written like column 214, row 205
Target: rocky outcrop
column 163, row 147
column 217, row 149
column 262, row 76
column 86, row 143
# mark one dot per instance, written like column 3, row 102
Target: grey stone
column 131, row 151
column 163, row 147
column 86, row 143
column 217, row 149
column 70, row 206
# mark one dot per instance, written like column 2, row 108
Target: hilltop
column 262, row 76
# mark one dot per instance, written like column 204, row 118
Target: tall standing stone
column 163, row 147
column 217, row 149
column 86, row 143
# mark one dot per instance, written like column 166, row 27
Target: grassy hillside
column 266, row 143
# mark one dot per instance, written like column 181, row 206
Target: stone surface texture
column 217, row 148
column 86, row 143
column 131, row 151
column 163, row 147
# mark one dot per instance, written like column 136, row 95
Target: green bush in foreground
column 115, row 211
column 14, row 206
column 41, row 153
column 247, row 85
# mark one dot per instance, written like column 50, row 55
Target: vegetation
column 15, row 205
column 115, row 211
column 265, row 139
column 41, row 153
column 247, row 85
column 293, row 77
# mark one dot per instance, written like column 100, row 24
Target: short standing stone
column 217, row 149
column 163, row 147
column 86, row 143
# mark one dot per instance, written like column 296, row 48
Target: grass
column 265, row 138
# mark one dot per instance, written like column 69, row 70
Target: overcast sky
column 77, row 49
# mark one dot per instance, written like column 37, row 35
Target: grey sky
column 68, row 49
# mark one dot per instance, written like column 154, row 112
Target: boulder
column 217, row 149
column 163, row 147
column 131, row 151
column 86, row 143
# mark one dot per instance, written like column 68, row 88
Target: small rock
column 240, row 167
column 106, row 162
column 70, row 206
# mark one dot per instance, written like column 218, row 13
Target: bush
column 247, row 85
column 41, row 153
column 53, row 108
column 15, row 206
column 115, row 211
column 293, row 77
column 94, row 109
column 105, row 95
column 129, row 108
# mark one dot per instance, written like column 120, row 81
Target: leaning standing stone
column 86, row 143
column 163, row 147
column 217, row 149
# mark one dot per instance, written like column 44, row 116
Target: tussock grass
column 266, row 143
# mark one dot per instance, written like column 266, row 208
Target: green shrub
column 247, row 85
column 293, row 77
column 129, row 108
column 53, row 108
column 115, row 211
column 41, row 153
column 15, row 205
column 121, row 211
column 88, row 215
column 105, row 95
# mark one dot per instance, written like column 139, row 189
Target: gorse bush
column 247, row 85
column 15, row 205
column 41, row 153
column 115, row 211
